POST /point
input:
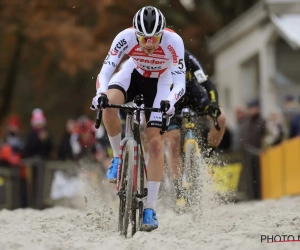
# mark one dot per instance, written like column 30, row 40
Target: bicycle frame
column 189, row 134
column 132, row 133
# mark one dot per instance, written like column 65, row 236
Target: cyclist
column 157, row 56
column 197, row 99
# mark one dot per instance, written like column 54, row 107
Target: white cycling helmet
column 149, row 21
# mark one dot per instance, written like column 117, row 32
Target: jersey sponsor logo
column 150, row 67
column 178, row 95
column 119, row 46
column 152, row 61
column 110, row 63
column 173, row 53
column 113, row 52
column 177, row 72
column 154, row 124
column 159, row 56
column 121, row 53
column 156, row 117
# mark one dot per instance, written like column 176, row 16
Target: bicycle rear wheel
column 190, row 170
column 127, row 199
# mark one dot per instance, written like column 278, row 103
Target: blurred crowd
column 255, row 133
column 80, row 140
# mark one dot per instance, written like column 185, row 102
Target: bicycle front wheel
column 127, row 199
column 190, row 170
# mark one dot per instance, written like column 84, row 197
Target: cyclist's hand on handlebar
column 213, row 110
column 167, row 107
column 99, row 101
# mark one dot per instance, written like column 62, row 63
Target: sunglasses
column 146, row 39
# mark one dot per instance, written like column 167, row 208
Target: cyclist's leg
column 116, row 93
column 175, row 165
column 154, row 92
column 173, row 140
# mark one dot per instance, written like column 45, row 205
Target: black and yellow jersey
column 194, row 72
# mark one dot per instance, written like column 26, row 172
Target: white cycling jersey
column 168, row 58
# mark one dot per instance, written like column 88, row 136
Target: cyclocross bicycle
column 132, row 172
column 191, row 151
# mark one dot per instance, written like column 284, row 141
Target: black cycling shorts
column 132, row 83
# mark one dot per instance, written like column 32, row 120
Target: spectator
column 39, row 142
column 13, row 137
column 292, row 115
column 83, row 141
column 274, row 129
column 240, row 116
column 65, row 149
column 253, row 132
column 10, row 150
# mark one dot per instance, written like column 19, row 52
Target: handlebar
column 133, row 108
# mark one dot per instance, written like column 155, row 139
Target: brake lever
column 98, row 118
column 99, row 113
column 164, row 126
column 216, row 124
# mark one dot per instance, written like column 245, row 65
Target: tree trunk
column 10, row 82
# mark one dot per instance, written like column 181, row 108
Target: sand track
column 233, row 226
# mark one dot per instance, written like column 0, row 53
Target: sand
column 210, row 226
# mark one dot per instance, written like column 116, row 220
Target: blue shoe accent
column 150, row 221
column 112, row 172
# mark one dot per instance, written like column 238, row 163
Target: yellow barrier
column 280, row 170
column 264, row 173
column 226, row 178
column 291, row 152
